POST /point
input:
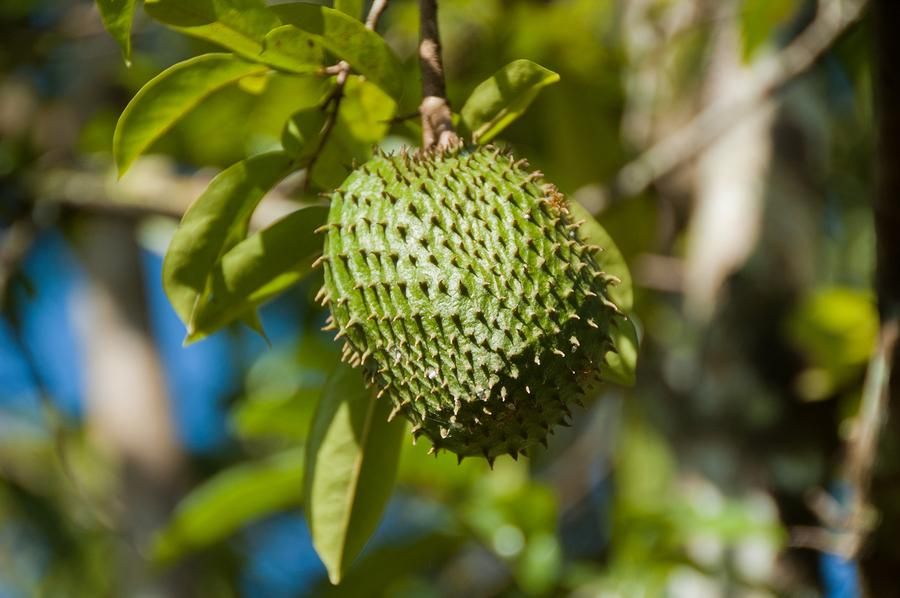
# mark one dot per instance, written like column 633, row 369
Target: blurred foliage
column 836, row 330
column 690, row 484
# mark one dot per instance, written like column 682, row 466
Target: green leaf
column 255, row 84
column 300, row 136
column 621, row 361
column 835, row 326
column 251, row 320
column 258, row 268
column 366, row 110
column 500, row 100
column 276, row 417
column 610, row 259
column 290, row 49
column 117, row 16
column 354, row 8
column 239, row 25
column 351, row 466
column 169, row 96
column 348, row 39
column 215, row 223
column 228, row 501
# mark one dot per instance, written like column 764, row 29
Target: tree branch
column 769, row 76
column 880, row 389
column 437, row 118
column 151, row 188
column 886, row 17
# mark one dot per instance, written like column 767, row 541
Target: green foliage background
column 694, row 478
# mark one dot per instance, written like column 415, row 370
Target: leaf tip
column 190, row 338
column 122, row 164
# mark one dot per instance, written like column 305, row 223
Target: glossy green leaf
column 348, row 39
column 351, row 465
column 500, row 100
column 239, row 25
column 621, row 361
column 117, row 16
column 169, row 96
column 290, row 49
column 354, row 8
column 214, row 223
column 230, row 500
column 258, row 268
column 610, row 259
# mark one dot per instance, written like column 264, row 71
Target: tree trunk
column 882, row 558
column 127, row 409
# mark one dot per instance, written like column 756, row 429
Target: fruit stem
column 437, row 118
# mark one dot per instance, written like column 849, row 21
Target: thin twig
column 846, row 518
column 437, row 118
column 863, row 445
column 332, row 103
column 880, row 389
column 375, row 11
column 769, row 76
column 854, row 518
column 331, row 106
column 334, row 69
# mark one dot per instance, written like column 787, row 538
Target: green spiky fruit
column 460, row 285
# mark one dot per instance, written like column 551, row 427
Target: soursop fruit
column 459, row 283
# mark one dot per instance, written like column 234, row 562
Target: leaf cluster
column 217, row 271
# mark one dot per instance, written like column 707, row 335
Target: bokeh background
column 132, row 466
